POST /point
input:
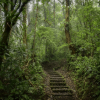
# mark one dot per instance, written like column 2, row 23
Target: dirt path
column 59, row 85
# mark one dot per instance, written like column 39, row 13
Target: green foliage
column 21, row 76
column 85, row 64
column 86, row 76
column 15, row 82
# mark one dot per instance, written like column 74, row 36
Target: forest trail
column 56, row 85
column 60, row 90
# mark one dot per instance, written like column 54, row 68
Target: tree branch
column 47, row 22
column 60, row 2
column 20, row 10
column 15, row 4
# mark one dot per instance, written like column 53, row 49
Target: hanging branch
column 20, row 10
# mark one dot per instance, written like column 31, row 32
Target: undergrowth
column 20, row 79
column 86, row 72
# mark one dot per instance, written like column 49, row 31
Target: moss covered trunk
column 4, row 41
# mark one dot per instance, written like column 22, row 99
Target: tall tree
column 33, row 45
column 24, row 25
column 68, row 38
column 54, row 13
column 11, row 16
column 67, row 33
column 45, row 17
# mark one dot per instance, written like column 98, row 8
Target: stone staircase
column 60, row 90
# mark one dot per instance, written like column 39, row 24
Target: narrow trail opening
column 57, row 84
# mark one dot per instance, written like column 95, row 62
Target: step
column 57, row 83
column 57, row 80
column 55, row 76
column 58, row 86
column 52, row 87
column 61, row 94
column 63, row 98
column 61, row 90
column 53, row 73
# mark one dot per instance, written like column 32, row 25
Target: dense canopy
column 34, row 33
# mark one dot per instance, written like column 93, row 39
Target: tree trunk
column 10, row 21
column 63, row 8
column 54, row 13
column 24, row 26
column 44, row 15
column 67, row 33
column 0, row 11
column 28, row 14
column 4, row 41
column 46, row 46
column 33, row 46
